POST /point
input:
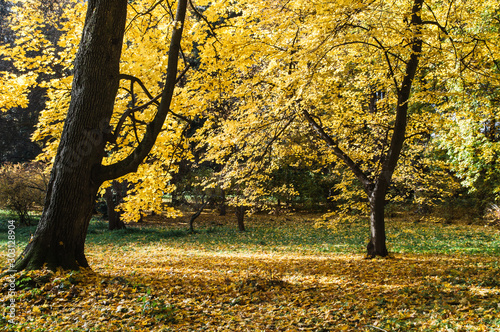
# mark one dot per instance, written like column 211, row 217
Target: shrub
column 492, row 215
column 22, row 187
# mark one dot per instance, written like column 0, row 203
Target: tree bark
column 377, row 244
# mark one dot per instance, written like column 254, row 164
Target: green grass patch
column 292, row 235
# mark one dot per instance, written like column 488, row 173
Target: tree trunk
column 377, row 246
column 240, row 217
column 222, row 204
column 112, row 200
column 78, row 171
column 196, row 215
column 60, row 237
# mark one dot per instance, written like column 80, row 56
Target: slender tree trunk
column 60, row 237
column 110, row 207
column 222, row 204
column 240, row 217
column 196, row 215
column 112, row 200
column 377, row 246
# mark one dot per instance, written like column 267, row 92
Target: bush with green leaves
column 22, row 188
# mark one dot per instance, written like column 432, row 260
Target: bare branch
column 134, row 79
column 130, row 111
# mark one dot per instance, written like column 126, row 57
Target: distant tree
column 114, row 196
column 22, row 188
column 24, row 97
column 363, row 84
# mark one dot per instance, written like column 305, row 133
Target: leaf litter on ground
column 185, row 286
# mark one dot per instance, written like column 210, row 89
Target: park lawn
column 283, row 274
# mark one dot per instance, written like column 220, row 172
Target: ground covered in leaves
column 281, row 275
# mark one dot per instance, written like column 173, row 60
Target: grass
column 283, row 274
column 289, row 237
column 297, row 234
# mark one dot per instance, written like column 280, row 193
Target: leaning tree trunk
column 60, row 237
column 77, row 172
column 196, row 215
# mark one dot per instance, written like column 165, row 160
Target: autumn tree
column 78, row 170
column 113, row 196
column 282, row 76
column 26, row 97
column 22, row 187
column 470, row 116
column 359, row 82
column 16, row 122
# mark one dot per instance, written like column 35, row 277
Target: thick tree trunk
column 60, row 237
column 77, row 172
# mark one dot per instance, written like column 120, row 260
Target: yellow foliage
column 343, row 62
column 255, row 66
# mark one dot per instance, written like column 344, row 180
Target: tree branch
column 147, row 104
column 212, row 29
column 399, row 133
column 134, row 79
column 132, row 161
column 391, row 70
column 337, row 151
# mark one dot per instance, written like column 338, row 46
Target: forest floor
column 283, row 274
